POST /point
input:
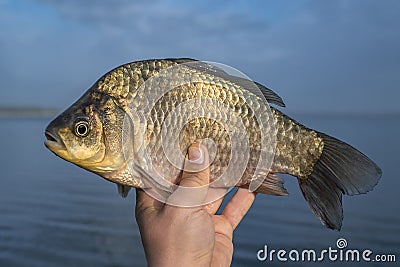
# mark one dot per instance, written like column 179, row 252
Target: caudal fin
column 341, row 169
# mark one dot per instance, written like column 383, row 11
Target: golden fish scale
column 297, row 148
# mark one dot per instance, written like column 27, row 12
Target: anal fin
column 271, row 185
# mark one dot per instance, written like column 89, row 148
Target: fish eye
column 82, row 128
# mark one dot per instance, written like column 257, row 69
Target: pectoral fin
column 123, row 190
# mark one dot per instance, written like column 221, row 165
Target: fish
column 134, row 125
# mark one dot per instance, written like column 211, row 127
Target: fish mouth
column 54, row 142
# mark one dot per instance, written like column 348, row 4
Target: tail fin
column 341, row 169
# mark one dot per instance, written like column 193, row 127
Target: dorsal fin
column 270, row 95
column 266, row 93
column 247, row 84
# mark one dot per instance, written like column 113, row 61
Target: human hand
column 190, row 236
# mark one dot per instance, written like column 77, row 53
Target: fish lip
column 54, row 142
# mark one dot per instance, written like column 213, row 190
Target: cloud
column 310, row 51
column 161, row 18
column 346, row 49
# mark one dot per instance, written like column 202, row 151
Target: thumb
column 192, row 189
column 196, row 172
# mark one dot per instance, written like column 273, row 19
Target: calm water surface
column 55, row 214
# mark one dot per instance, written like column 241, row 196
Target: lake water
column 53, row 213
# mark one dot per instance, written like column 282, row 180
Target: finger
column 193, row 186
column 238, row 206
column 213, row 206
column 196, row 172
column 222, row 226
column 223, row 247
column 223, row 251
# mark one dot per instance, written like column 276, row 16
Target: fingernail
column 195, row 155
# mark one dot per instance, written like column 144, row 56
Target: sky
column 319, row 56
